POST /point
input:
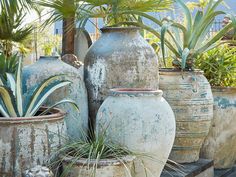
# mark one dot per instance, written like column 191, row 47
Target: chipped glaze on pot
column 189, row 95
column 105, row 167
column 121, row 57
column 142, row 121
column 45, row 67
column 28, row 141
column 220, row 144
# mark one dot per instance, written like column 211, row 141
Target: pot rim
column 49, row 57
column 134, row 91
column 223, row 89
column 56, row 114
column 115, row 29
column 174, row 71
column 101, row 162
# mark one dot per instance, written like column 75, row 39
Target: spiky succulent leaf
column 11, row 82
column 18, row 88
column 42, row 93
column 8, row 101
column 59, row 103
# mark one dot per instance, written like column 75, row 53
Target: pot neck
column 135, row 92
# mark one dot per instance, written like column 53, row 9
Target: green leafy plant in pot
column 25, row 123
column 219, row 66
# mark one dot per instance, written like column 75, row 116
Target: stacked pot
column 134, row 114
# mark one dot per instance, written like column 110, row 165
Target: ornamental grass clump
column 14, row 104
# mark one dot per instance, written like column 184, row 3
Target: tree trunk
column 68, row 36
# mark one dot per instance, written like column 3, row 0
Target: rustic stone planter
column 47, row 66
column 104, row 167
column 189, row 95
column 28, row 141
column 142, row 121
column 121, row 57
column 220, row 144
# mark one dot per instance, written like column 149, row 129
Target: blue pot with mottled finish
column 47, row 66
column 142, row 121
column 220, row 143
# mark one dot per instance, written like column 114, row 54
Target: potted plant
column 93, row 158
column 185, row 88
column 219, row 66
column 28, row 131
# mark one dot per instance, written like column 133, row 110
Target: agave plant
column 190, row 38
column 14, row 104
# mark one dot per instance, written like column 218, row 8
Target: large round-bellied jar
column 28, row 141
column 220, row 144
column 121, row 57
column 142, row 121
column 45, row 67
column 189, row 95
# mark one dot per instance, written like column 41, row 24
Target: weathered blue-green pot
column 29, row 141
column 220, row 144
column 121, row 57
column 189, row 95
column 77, row 122
column 142, row 121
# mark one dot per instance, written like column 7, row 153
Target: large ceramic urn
column 142, row 121
column 45, row 67
column 121, row 57
column 189, row 95
column 220, row 144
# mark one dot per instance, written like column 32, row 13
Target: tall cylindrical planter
column 45, row 67
column 189, row 95
column 142, row 121
column 121, row 57
column 28, row 141
column 221, row 141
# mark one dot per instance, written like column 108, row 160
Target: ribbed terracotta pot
column 47, row 66
column 28, row 141
column 189, row 95
column 220, row 144
column 121, row 57
column 142, row 121
column 102, row 168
